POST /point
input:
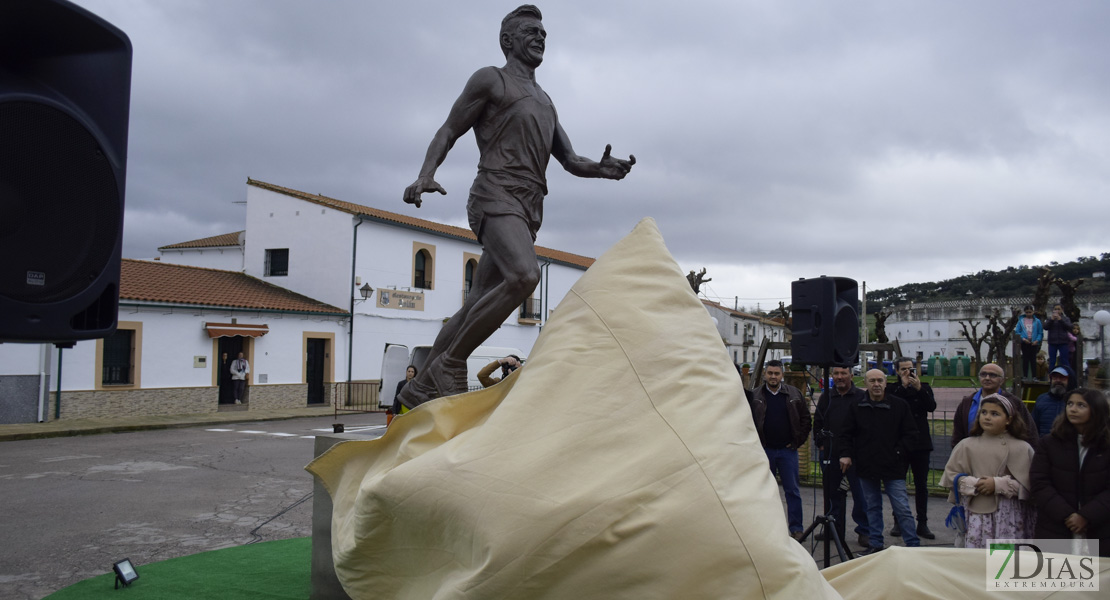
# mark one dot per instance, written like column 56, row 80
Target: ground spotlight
column 125, row 572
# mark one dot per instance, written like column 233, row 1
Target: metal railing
column 940, row 424
column 531, row 309
column 357, row 397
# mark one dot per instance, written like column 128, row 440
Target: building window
column 277, row 262
column 423, row 266
column 531, row 311
column 468, row 275
column 118, row 356
column 735, row 329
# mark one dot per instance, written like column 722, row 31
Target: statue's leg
column 507, row 273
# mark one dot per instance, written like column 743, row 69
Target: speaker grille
column 59, row 204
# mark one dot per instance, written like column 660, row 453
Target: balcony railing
column 531, row 310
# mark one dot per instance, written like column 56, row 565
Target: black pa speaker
column 65, row 91
column 825, row 325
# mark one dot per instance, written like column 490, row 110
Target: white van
column 398, row 357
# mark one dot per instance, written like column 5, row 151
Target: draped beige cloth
column 620, row 463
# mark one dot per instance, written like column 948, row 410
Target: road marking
column 250, row 431
column 284, row 434
column 61, row 458
column 353, row 429
column 219, row 430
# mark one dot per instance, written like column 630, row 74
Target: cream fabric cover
column 620, row 463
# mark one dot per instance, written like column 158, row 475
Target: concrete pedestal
column 325, row 585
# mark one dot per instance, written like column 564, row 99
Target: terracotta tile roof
column 180, row 284
column 225, row 239
column 383, row 215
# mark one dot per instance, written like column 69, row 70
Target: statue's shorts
column 497, row 193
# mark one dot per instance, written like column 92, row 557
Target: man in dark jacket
column 782, row 419
column 991, row 378
column 919, row 396
column 1051, row 403
column 877, row 441
column 829, row 421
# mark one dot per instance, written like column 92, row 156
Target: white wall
column 171, row 338
column 318, row 239
column 227, row 258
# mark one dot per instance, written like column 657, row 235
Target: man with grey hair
column 991, row 378
column 876, row 440
column 518, row 131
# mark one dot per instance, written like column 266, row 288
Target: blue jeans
column 1058, row 349
column 836, row 501
column 899, row 502
column 784, row 463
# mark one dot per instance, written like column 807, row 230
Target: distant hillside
column 1013, row 281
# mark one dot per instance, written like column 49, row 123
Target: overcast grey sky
column 882, row 140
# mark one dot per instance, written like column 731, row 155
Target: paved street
column 74, row 505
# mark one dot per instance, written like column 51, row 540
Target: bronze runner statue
column 517, row 129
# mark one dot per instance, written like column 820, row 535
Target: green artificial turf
column 279, row 569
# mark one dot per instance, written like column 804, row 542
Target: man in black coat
column 876, row 439
column 833, row 410
column 919, row 396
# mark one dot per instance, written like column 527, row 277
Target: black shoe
column 896, row 531
column 923, row 531
column 863, row 540
column 871, row 550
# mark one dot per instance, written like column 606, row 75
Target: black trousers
column 919, row 467
column 1029, row 360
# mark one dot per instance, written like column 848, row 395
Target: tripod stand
column 828, row 521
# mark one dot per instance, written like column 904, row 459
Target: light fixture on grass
column 125, row 572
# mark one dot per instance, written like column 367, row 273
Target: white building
column 742, row 333
column 283, row 291
column 933, row 329
column 175, row 323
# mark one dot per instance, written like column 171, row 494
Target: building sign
column 401, row 300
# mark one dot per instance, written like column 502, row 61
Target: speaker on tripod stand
column 65, row 88
column 825, row 332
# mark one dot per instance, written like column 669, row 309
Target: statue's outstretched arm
column 483, row 85
column 580, row 166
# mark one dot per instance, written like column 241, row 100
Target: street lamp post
column 1102, row 317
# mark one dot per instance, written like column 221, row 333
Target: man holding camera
column 782, row 420
column 919, row 396
column 828, row 422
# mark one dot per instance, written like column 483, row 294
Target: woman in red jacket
column 1070, row 474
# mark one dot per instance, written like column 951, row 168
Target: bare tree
column 1067, row 297
column 1001, row 331
column 696, row 279
column 880, row 326
column 973, row 336
column 1042, row 292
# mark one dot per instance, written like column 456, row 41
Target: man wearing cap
column 991, row 377
column 1051, row 403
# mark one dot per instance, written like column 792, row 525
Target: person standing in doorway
column 240, row 368
column 223, row 380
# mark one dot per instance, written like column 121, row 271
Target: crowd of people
column 1017, row 474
